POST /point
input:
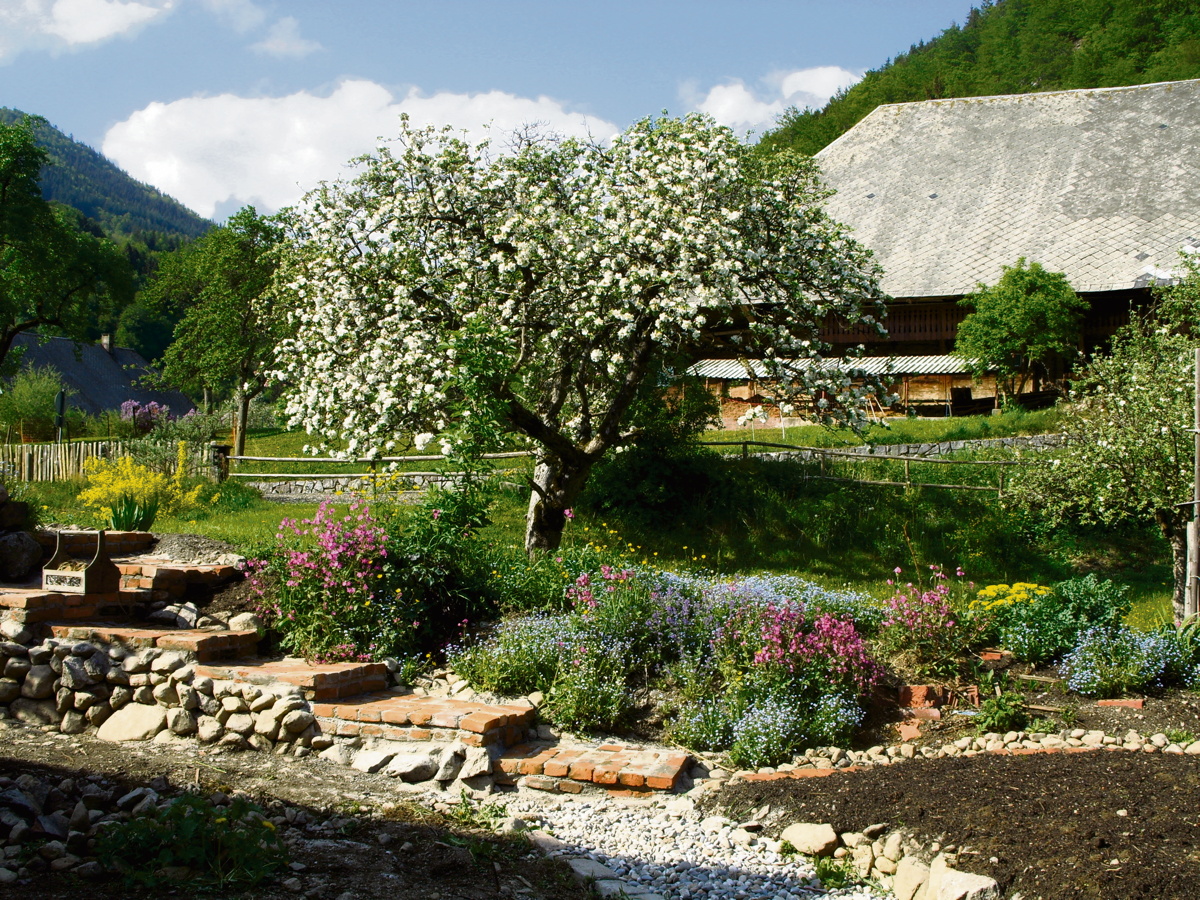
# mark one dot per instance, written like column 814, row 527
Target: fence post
column 745, row 449
column 907, row 474
column 220, row 460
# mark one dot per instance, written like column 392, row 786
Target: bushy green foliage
column 1020, row 325
column 1016, row 47
column 27, row 403
column 1003, row 713
column 1038, row 624
column 1108, row 662
column 220, row 846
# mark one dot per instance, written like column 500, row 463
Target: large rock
column 911, row 875
column 20, row 555
column 209, row 729
column 133, row 722
column 957, row 885
column 39, row 683
column 10, row 690
column 371, row 761
column 414, row 767
column 811, row 838
column 181, row 722
column 34, row 712
column 476, row 762
column 247, row 622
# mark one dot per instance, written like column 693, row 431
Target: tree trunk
column 1174, row 529
column 557, row 487
column 241, row 415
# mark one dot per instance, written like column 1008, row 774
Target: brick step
column 32, row 605
column 205, row 646
column 319, row 681
column 566, row 769
column 82, row 544
column 172, row 578
column 408, row 717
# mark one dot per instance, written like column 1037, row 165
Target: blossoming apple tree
column 455, row 291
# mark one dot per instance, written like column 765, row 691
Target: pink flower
column 568, row 513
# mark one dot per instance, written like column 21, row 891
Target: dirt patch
column 352, row 836
column 1113, row 825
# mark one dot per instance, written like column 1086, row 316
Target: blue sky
column 226, row 102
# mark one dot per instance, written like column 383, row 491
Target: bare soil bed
column 362, row 839
column 1105, row 825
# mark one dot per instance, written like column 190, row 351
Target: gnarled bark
column 556, row 487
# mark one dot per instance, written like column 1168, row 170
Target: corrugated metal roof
column 1101, row 184
column 735, row 370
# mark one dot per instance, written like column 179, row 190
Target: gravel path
column 666, row 847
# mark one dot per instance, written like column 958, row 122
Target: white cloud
column 240, row 15
column 743, row 109
column 283, row 40
column 216, row 154
column 54, row 24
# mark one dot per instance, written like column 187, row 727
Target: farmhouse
column 1100, row 184
column 99, row 376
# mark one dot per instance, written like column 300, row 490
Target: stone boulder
column 414, row 767
column 20, row 555
column 811, row 838
column 133, row 722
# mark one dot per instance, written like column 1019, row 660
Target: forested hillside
column 1013, row 47
column 94, row 185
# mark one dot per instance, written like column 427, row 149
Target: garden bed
column 1099, row 824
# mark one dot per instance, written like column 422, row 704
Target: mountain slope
column 94, row 185
column 1015, row 47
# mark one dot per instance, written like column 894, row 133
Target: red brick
column 324, row 710
column 1127, row 702
column 419, row 734
column 604, row 776
column 570, row 787
column 921, row 695
column 371, row 730
column 540, row 783
column 661, row 782
column 909, row 731
column 557, row 768
column 480, row 722
column 631, row 779
column 582, row 771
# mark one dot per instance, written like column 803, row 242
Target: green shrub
column 1003, row 713
column 27, row 405
column 221, row 846
column 1038, row 624
column 704, row 725
column 589, row 692
column 127, row 514
column 1107, row 662
column 519, row 656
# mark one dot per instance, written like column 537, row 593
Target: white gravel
column 677, row 854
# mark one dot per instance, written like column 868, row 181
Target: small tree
column 450, row 291
column 231, row 326
column 1020, row 324
column 55, row 276
column 1128, row 441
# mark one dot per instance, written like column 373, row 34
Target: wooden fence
column 56, row 462
column 822, row 455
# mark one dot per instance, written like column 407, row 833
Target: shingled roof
column 100, row 379
column 1101, row 184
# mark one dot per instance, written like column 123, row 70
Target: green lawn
column 754, row 517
